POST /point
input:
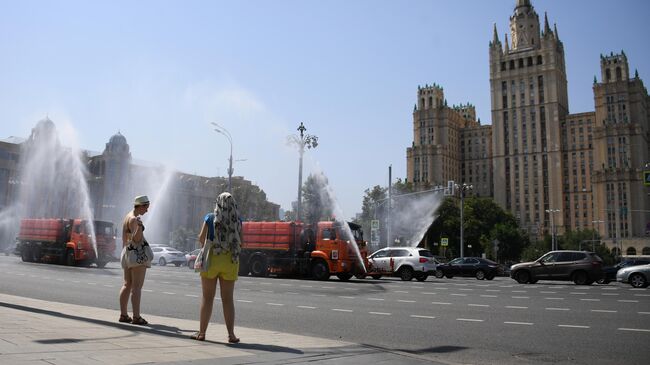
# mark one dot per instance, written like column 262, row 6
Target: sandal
column 233, row 339
column 139, row 321
column 198, row 336
column 124, row 318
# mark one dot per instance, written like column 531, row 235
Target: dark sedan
column 469, row 266
column 609, row 273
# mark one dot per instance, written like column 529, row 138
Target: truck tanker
column 318, row 250
column 65, row 241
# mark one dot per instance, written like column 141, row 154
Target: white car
column 405, row 262
column 163, row 255
column 637, row 276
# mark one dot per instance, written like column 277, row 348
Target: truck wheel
column 69, row 257
column 320, row 271
column 259, row 267
column 344, row 277
column 25, row 254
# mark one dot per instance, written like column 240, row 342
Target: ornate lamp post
column 301, row 141
column 462, row 188
column 224, row 131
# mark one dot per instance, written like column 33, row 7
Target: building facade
column 546, row 166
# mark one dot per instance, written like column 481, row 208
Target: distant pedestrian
column 221, row 235
column 136, row 258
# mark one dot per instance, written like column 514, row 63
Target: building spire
column 507, row 47
column 547, row 28
column 557, row 35
column 521, row 3
column 495, row 37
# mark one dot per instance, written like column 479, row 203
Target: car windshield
column 425, row 253
column 456, row 261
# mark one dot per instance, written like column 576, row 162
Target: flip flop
column 124, row 318
column 139, row 321
column 232, row 339
column 198, row 336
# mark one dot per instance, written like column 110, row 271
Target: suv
column 582, row 267
column 405, row 262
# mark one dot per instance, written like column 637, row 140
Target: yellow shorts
column 222, row 266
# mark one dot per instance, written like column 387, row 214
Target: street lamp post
column 462, row 188
column 595, row 222
column 552, row 213
column 302, row 141
column 224, row 131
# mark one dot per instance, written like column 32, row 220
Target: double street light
column 302, row 141
column 224, row 131
column 462, row 188
column 552, row 212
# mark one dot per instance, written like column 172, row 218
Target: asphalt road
column 459, row 320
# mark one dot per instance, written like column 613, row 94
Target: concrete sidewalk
column 41, row 332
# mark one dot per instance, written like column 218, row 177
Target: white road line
column 627, row 301
column 91, row 283
column 380, row 313
column 548, row 292
column 108, row 286
column 458, row 295
column 401, row 291
column 417, row 316
column 440, row 288
column 406, row 301
column 571, row 326
column 306, row 286
column 191, row 295
column 514, row 297
column 342, row 310
column 263, row 283
column 328, row 287
column 306, row 307
column 557, row 309
column 428, row 293
column 244, row 301
column 554, row 298
column 642, row 295
column 465, row 289
column 266, row 291
column 488, row 296
column 609, row 294
column 169, row 293
column 644, row 312
column 441, row 303
column 76, row 281
column 284, row 284
column 493, row 290
column 478, row 305
column 519, row 291
column 521, row 323
column 318, row 295
column 291, row 293
column 515, row 307
column 148, row 290
column 469, row 320
column 577, row 293
column 633, row 329
column 604, row 311
column 275, row 304
column 243, row 289
column 344, row 297
column 590, row 300
column 375, row 298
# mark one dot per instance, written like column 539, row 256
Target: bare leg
column 209, row 288
column 138, row 274
column 227, row 292
column 125, row 291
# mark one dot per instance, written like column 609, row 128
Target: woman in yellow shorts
column 223, row 232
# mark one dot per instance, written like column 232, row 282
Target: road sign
column 646, row 178
column 374, row 224
column 444, row 241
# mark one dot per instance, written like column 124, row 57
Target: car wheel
column 344, row 276
column 162, row 261
column 320, row 271
column 376, row 277
column 522, row 277
column 406, row 273
column 439, row 274
column 480, row 275
column 580, row 278
column 259, row 267
column 638, row 281
column 422, row 277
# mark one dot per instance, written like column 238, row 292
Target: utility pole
column 301, row 141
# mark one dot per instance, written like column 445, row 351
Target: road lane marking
column 478, row 305
column 548, row 292
column 466, row 289
column 515, row 307
column 515, row 297
column 342, row 310
column 441, row 303
column 633, row 329
column 275, row 304
column 406, row 301
column 493, row 290
column 169, row 293
column 577, row 293
column 489, row 296
column 644, row 312
column 108, row 286
column 610, row 294
column 642, row 295
column 458, row 295
column 344, row 297
column 604, row 311
column 557, row 309
column 428, row 293
column 244, row 301
column 318, row 295
column 519, row 291
column 425, row 317
column 91, row 283
column 401, row 291
column 554, row 298
column 521, row 323
column 148, row 290
column 243, row 289
column 292, row 293
column 590, row 300
column 191, row 295
column 328, row 287
column 571, row 326
column 469, row 320
column 380, row 313
column 375, row 298
column 266, row 291
column 627, row 301
column 306, row 307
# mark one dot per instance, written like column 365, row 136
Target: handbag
column 202, row 262
column 136, row 254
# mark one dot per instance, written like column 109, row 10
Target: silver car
column 405, row 262
column 163, row 255
column 637, row 276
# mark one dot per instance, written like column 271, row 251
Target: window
column 329, row 234
column 400, row 253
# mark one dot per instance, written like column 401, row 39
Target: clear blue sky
column 160, row 71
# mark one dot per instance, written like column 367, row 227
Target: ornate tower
column 529, row 100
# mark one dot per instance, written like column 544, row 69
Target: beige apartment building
column 538, row 161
